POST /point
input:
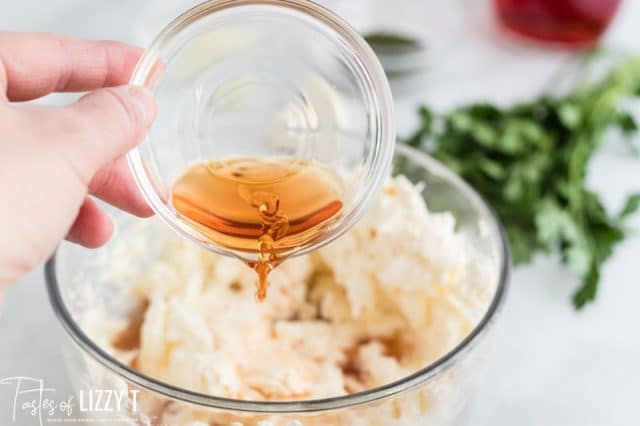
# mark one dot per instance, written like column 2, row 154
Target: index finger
column 36, row 64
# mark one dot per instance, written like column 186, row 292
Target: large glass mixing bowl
column 438, row 394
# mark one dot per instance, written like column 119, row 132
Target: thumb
column 106, row 124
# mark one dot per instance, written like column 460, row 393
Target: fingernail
column 144, row 103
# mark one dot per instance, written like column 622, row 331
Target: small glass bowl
column 264, row 78
column 78, row 283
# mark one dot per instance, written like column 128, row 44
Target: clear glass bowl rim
column 399, row 386
column 369, row 72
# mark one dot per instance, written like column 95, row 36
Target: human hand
column 53, row 158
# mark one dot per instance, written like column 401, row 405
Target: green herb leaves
column 391, row 43
column 529, row 161
column 631, row 206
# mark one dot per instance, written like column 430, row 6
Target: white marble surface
column 549, row 365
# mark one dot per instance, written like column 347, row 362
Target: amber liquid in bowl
column 267, row 206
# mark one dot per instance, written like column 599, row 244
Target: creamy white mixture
column 392, row 295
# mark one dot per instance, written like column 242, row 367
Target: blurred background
column 551, row 364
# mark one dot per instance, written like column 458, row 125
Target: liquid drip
column 267, row 207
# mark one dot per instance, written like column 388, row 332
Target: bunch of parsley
column 529, row 161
